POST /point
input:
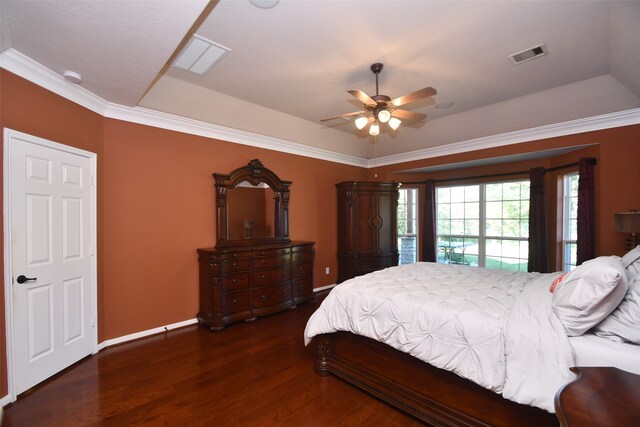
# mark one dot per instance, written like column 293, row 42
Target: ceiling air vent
column 528, row 54
column 199, row 55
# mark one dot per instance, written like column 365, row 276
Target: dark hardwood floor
column 250, row 374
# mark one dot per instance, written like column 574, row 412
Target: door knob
column 22, row 278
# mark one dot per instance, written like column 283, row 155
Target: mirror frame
column 255, row 173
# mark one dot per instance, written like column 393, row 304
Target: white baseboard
column 324, row 288
column 142, row 334
column 4, row 401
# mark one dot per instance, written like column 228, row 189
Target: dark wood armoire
column 367, row 227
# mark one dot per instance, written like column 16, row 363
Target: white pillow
column 624, row 322
column 631, row 262
column 588, row 293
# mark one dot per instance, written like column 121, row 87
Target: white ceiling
column 291, row 65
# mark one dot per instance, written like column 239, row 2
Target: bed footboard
column 434, row 396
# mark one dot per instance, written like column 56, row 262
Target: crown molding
column 25, row 67
column 167, row 121
column 589, row 124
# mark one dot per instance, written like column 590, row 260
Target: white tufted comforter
column 475, row 322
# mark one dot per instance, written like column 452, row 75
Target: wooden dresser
column 244, row 282
column 367, row 227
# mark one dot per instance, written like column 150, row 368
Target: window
column 408, row 225
column 569, row 220
column 485, row 225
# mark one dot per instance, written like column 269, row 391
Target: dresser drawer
column 270, row 277
column 302, row 270
column 299, row 257
column 273, row 295
column 270, row 252
column 230, row 266
column 233, row 282
column 236, row 302
column 271, row 262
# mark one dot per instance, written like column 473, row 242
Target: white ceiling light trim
column 23, row 66
column 200, row 55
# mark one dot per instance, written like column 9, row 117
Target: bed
column 477, row 331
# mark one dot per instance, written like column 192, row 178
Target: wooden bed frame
column 434, row 396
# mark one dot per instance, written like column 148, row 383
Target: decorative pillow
column 631, row 262
column 556, row 282
column 624, row 322
column 588, row 293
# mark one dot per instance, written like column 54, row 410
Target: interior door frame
column 8, row 136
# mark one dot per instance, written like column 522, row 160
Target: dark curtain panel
column 586, row 248
column 429, row 225
column 538, row 238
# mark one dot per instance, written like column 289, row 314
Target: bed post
column 324, row 350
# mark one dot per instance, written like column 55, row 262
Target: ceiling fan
column 382, row 109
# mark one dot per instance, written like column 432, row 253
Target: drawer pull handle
column 263, row 278
column 235, row 282
column 235, row 302
column 263, row 297
column 235, row 265
column 264, row 262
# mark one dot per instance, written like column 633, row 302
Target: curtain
column 538, row 238
column 429, row 222
column 586, row 248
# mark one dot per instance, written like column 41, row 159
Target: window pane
column 444, row 227
column 524, row 208
column 472, row 227
column 510, row 228
column 511, row 209
column 493, row 247
column 457, row 210
column 457, row 194
column 524, row 228
column 457, row 227
column 493, row 192
column 494, row 227
column 472, row 193
column 444, row 211
column 493, row 210
column 511, row 191
column 472, row 210
column 443, row 195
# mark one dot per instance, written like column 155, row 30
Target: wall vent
column 199, row 55
column 528, row 54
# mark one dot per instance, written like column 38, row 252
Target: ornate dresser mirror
column 252, row 206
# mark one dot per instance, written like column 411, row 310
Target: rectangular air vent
column 528, row 54
column 199, row 55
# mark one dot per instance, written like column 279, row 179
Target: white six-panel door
column 51, row 216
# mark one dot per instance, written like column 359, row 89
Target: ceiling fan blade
column 408, row 115
column 356, row 113
column 363, row 97
column 413, row 96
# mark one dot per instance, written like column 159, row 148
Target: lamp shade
column 384, row 116
column 628, row 222
column 374, row 129
column 361, row 122
column 394, row 123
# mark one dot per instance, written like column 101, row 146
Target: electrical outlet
column 326, row 270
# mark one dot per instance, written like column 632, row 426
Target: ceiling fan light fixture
column 361, row 122
column 394, row 123
column 374, row 129
column 384, row 116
